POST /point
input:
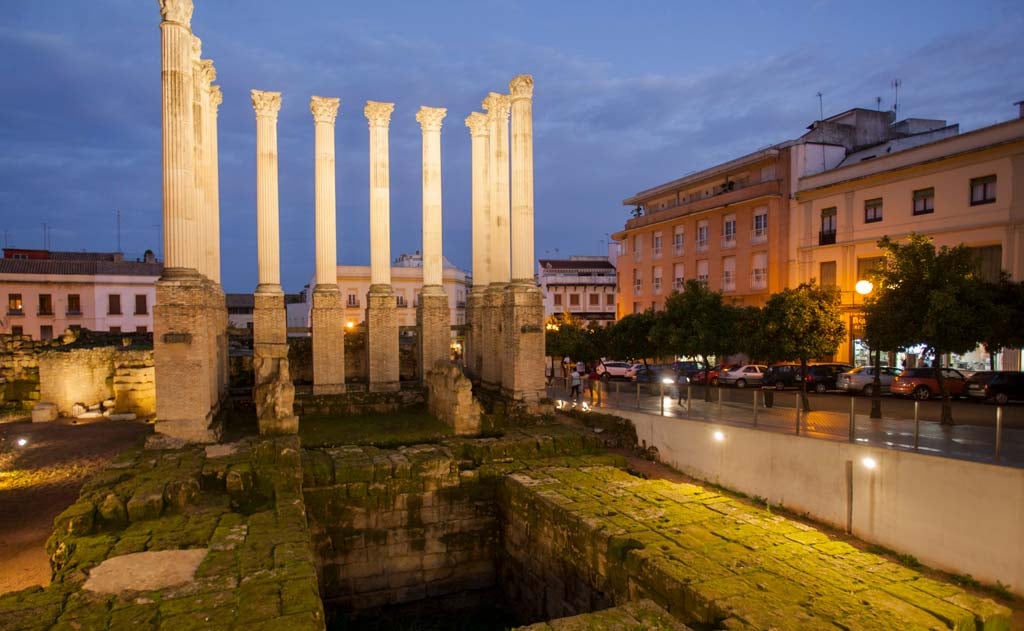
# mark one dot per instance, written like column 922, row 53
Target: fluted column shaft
column 497, row 106
column 204, row 76
column 430, row 120
column 378, row 116
column 478, row 128
column 213, row 188
column 179, row 190
column 325, row 111
column 267, row 105
column 522, row 179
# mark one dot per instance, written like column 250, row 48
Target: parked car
column 631, row 371
column 660, row 378
column 712, row 375
column 688, row 368
column 862, row 379
column 1000, row 386
column 782, row 376
column 823, row 377
column 922, row 385
column 743, row 376
column 610, row 369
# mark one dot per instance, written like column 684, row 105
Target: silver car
column 862, row 379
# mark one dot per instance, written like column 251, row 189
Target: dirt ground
column 42, row 477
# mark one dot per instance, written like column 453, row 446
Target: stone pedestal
column 434, row 319
column 382, row 339
column 328, row 341
column 474, row 341
column 491, row 345
column 273, row 393
column 183, row 336
column 522, row 314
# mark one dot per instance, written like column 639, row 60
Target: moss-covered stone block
column 77, row 519
column 147, row 502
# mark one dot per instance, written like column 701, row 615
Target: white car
column 746, row 375
column 610, row 369
column 862, row 379
column 631, row 372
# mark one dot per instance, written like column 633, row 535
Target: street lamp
column 864, row 287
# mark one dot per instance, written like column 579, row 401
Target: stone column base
column 491, row 340
column 522, row 377
column 474, row 344
column 183, row 346
column 273, row 393
column 434, row 319
column 328, row 341
column 382, row 339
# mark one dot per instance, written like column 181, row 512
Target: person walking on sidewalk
column 574, row 380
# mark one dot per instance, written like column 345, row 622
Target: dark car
column 999, row 386
column 660, row 378
column 824, row 377
column 688, row 368
column 782, row 376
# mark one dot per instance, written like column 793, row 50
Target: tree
column 1005, row 318
column 630, row 337
column 927, row 296
column 697, row 323
column 802, row 323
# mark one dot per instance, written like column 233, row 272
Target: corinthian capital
column 266, row 104
column 197, row 49
column 521, row 87
column 379, row 114
column 477, row 124
column 497, row 105
column 324, row 109
column 207, row 73
column 216, row 98
column 179, row 11
column 430, row 118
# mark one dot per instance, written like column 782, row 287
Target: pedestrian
column 581, row 368
column 548, row 373
column 565, row 366
column 574, row 379
column 681, row 380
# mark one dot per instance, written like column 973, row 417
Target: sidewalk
column 964, row 442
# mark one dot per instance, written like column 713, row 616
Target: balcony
column 656, row 252
column 45, row 312
column 678, row 284
column 759, row 235
column 15, row 312
column 352, row 303
column 759, row 279
column 656, row 286
column 728, row 241
column 401, row 303
column 827, row 238
column 755, row 190
column 638, row 288
column 702, row 246
column 678, row 249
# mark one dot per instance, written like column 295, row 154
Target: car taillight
column 807, row 378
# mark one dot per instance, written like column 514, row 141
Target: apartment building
column 956, row 188
column 48, row 292
column 582, row 286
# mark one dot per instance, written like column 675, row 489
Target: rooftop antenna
column 821, row 131
column 896, row 95
column 878, row 103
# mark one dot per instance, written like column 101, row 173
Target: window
column 400, row 299
column 866, row 266
column 595, row 300
column 677, row 277
column 636, row 307
column 827, row 236
column 702, row 272
column 677, row 241
column 115, row 329
column 656, row 246
column 827, row 273
column 768, row 173
column 729, row 273
column 609, row 299
column 760, row 232
column 924, row 201
column 16, row 330
column 45, row 306
column 988, row 261
column 873, row 210
column 46, row 332
column 558, row 300
column 74, row 304
column 729, row 232
column 141, row 329
column 656, row 280
column 983, row 190
column 114, row 305
column 702, row 236
column 759, row 275
column 638, row 283
column 141, row 306
column 353, row 299
column 574, row 300
column 14, row 305
column 638, row 247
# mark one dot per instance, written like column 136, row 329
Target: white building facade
column 581, row 286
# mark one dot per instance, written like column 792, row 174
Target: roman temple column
column 273, row 393
column 220, row 315
column 478, row 129
column 186, row 392
column 494, row 337
column 523, row 305
column 381, row 309
column 328, row 314
column 433, row 314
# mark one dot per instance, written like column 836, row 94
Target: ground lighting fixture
column 869, row 462
column 22, row 442
column 719, row 435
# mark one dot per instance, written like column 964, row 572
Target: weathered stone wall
column 450, row 398
column 358, row 402
column 134, row 386
column 19, row 367
column 80, row 376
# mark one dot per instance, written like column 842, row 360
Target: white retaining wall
column 959, row 516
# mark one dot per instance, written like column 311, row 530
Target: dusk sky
column 628, row 95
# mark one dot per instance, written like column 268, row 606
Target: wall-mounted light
column 719, row 435
column 869, row 463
